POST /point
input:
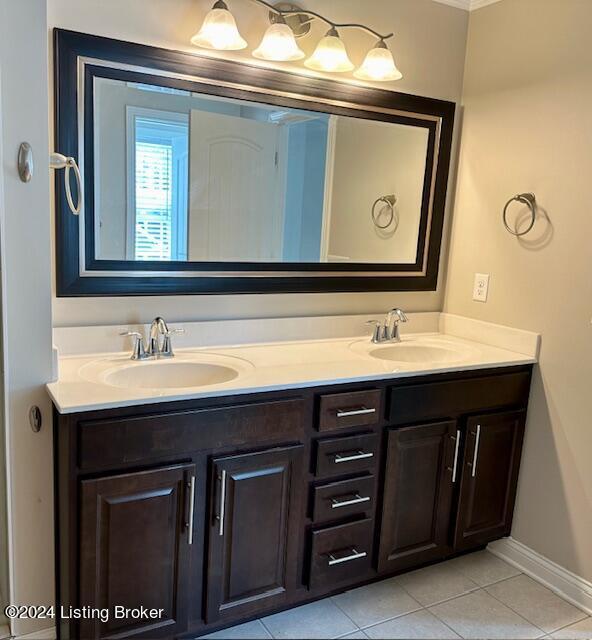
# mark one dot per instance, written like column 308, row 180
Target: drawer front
column 413, row 403
column 344, row 498
column 341, row 456
column 341, row 554
column 346, row 410
column 123, row 441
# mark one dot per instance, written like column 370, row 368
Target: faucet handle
column 378, row 329
column 171, row 332
column 139, row 352
column 167, row 346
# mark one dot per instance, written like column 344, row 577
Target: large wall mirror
column 204, row 175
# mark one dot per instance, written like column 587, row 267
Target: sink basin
column 170, row 375
column 189, row 370
column 416, row 353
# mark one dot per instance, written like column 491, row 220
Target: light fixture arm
column 334, row 25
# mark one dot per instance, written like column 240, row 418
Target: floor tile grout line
column 549, row 633
column 490, row 584
column 400, row 615
column 266, row 628
column 356, row 625
column 544, row 633
column 444, row 621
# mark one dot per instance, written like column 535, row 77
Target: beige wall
column 430, row 49
column 528, row 127
column 373, row 160
column 26, row 305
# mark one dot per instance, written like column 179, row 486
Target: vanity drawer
column 341, row 554
column 346, row 410
column 145, row 438
column 344, row 498
column 413, row 403
column 341, row 456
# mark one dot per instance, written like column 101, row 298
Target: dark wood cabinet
column 418, row 487
column 135, row 541
column 489, row 478
column 254, row 532
column 298, row 494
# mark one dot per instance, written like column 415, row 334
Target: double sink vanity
column 225, row 483
column 250, row 466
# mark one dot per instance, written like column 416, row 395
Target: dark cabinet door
column 135, row 542
column 489, row 478
column 419, row 478
column 255, row 531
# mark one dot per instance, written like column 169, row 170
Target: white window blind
column 154, row 198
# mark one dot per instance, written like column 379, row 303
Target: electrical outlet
column 481, row 287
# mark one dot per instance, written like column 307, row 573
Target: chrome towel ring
column 528, row 199
column 390, row 201
column 59, row 161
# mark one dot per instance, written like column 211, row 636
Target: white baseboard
column 564, row 583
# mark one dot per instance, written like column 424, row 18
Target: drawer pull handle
column 355, row 555
column 348, row 413
column 360, row 455
column 358, row 499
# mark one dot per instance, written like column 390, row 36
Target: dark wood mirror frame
column 79, row 58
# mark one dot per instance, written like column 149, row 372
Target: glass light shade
column 279, row 45
column 219, row 31
column 379, row 65
column 330, row 55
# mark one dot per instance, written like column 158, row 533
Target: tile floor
column 476, row 596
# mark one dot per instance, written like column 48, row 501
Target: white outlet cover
column 481, row 287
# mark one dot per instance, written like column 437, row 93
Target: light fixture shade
column 379, row 65
column 279, row 45
column 219, row 31
column 330, row 55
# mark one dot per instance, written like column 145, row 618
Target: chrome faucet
column 157, row 348
column 388, row 330
column 392, row 324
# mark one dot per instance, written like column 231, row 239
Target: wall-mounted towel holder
column 25, row 166
column 529, row 199
column 389, row 201
column 59, row 161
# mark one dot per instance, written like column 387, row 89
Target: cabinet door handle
column 355, row 555
column 476, row 452
column 362, row 411
column 222, row 509
column 456, row 450
column 358, row 499
column 360, row 455
column 191, row 487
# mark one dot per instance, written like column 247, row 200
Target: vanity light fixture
column 279, row 44
column 379, row 65
column 219, row 31
column 330, row 55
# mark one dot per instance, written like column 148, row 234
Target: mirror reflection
column 181, row 176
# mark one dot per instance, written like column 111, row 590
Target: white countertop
column 274, row 366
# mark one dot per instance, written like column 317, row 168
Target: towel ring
column 59, row 161
column 390, row 201
column 528, row 199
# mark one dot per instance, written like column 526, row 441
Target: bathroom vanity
column 225, row 506
column 226, row 484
